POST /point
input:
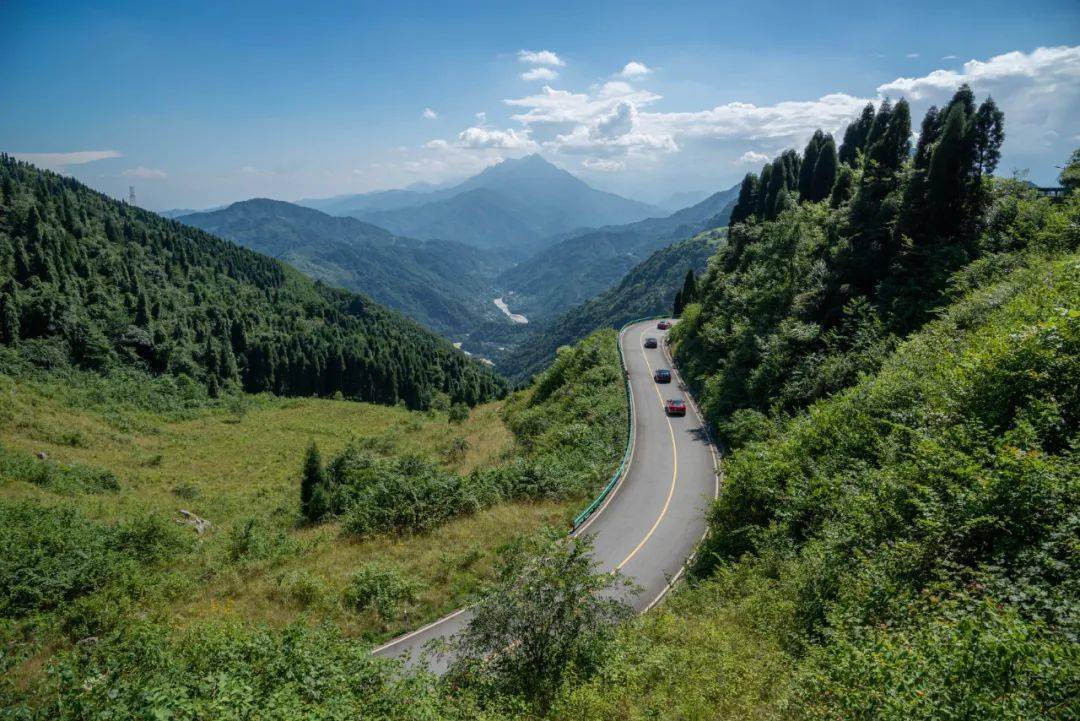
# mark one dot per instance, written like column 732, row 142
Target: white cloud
column 634, row 69
column 436, row 144
column 60, row 160
column 540, row 57
column 603, row 165
column 145, row 173
column 430, row 114
column 481, row 137
column 614, row 125
column 948, row 57
column 539, row 74
column 1049, row 68
column 1039, row 93
column 751, row 157
column 911, row 56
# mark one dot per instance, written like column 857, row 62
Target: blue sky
column 201, row 104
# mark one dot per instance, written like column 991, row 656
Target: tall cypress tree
column 689, row 289
column 764, row 181
column 745, row 205
column 988, row 133
column 855, row 136
column 809, row 161
column 313, row 478
column 824, row 175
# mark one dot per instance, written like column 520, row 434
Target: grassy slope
column 231, row 462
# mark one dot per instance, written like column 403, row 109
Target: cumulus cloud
column 482, row 137
column 144, row 173
column 613, row 124
column 635, row 69
column 1038, row 91
column 751, row 157
column 539, row 74
column 540, row 57
column 1047, row 68
column 430, row 114
column 60, row 160
column 603, row 165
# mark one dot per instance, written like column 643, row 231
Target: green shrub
column 380, row 588
column 258, row 539
column 459, row 413
column 301, row 588
column 228, row 672
column 50, row 556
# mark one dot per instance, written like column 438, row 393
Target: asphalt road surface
column 655, row 517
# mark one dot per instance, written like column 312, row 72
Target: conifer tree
column 744, row 206
column 689, row 289
column 313, row 479
column 855, row 136
column 988, row 133
column 809, row 161
column 825, row 168
column 677, row 307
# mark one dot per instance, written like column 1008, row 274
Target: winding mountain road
column 655, row 516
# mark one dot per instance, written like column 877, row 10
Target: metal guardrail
column 591, row 508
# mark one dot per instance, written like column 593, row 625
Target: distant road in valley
column 655, row 516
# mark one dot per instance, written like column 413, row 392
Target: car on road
column 662, row 375
column 663, row 325
column 650, row 342
column 675, row 407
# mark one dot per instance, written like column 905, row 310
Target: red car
column 663, row 325
column 675, row 407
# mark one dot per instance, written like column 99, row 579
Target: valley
column 463, row 381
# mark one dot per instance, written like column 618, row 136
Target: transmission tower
column 131, row 195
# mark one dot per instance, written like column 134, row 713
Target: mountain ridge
column 442, row 284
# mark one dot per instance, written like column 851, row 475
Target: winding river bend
column 516, row 317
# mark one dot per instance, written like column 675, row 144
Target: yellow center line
column 674, row 463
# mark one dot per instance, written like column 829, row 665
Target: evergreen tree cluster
column 820, row 279
column 91, row 281
column 789, row 179
column 687, row 294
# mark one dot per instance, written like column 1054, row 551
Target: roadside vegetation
column 894, row 365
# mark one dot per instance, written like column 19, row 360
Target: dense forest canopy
column 90, row 281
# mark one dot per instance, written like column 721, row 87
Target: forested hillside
column 649, row 289
column 99, row 284
column 444, row 285
column 829, row 261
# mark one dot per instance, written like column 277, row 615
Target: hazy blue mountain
column 683, row 199
column 648, row 289
column 515, row 207
column 583, row 265
column 443, row 284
